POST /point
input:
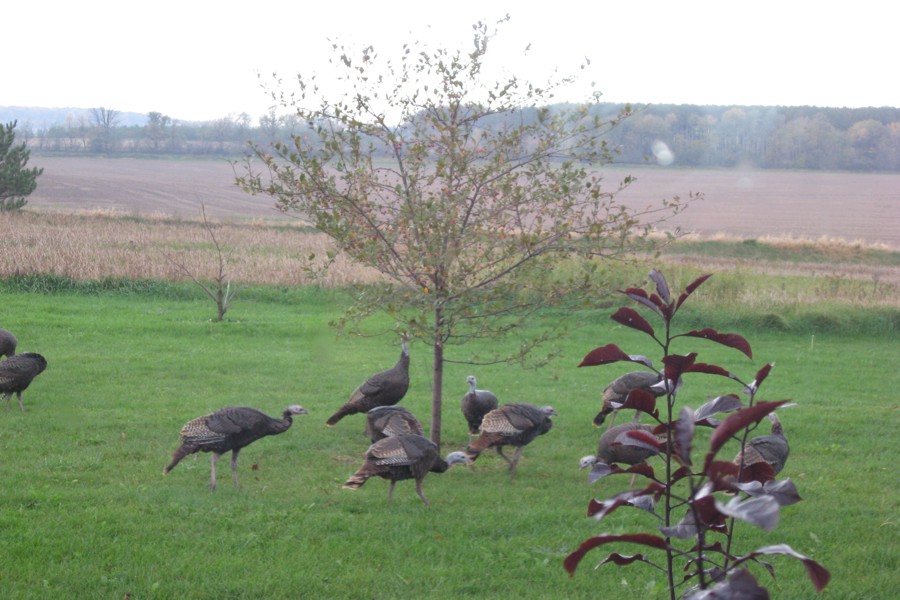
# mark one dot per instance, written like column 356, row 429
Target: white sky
column 199, row 59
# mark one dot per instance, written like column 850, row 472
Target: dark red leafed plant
column 702, row 499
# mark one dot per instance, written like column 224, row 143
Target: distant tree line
column 859, row 139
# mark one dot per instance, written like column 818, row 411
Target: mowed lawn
column 86, row 513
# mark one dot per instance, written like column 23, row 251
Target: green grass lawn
column 86, row 513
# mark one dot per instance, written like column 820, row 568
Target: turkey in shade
column 230, row 428
column 515, row 424
column 617, row 392
column 403, row 457
column 8, row 343
column 381, row 389
column 475, row 404
column 17, row 372
column 771, row 450
column 611, row 450
column 390, row 421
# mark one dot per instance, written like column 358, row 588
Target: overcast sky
column 200, row 59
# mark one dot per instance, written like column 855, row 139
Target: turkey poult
column 391, row 421
column 515, row 424
column 617, row 392
column 230, row 428
column 381, row 389
column 403, row 457
column 8, row 343
column 17, row 372
column 770, row 449
column 475, row 404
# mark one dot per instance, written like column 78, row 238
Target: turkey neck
column 284, row 423
column 440, row 466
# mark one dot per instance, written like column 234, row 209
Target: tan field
column 855, row 207
column 73, row 224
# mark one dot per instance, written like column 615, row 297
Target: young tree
column 467, row 196
column 220, row 289
column 16, row 181
column 703, row 538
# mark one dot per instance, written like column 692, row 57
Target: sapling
column 702, row 498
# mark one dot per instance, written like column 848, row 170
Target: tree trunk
column 437, row 384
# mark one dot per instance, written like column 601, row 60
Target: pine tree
column 16, row 181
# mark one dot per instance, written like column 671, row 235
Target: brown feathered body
column 391, row 421
column 385, row 388
column 771, row 449
column 402, row 457
column 8, row 343
column 617, row 392
column 229, row 429
column 17, row 372
column 516, row 424
column 475, row 404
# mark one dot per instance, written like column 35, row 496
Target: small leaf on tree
column 631, row 318
column 732, row 340
column 761, row 511
column 684, row 435
column 571, row 561
column 720, row 404
column 662, row 288
column 739, row 420
column 818, row 574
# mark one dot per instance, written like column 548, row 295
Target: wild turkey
column 407, row 456
column 385, row 388
column 230, row 428
column 515, row 424
column 770, row 449
column 8, row 343
column 617, row 392
column 17, row 372
column 609, row 451
column 475, row 404
column 391, row 421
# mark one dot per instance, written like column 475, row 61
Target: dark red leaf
column 630, row 318
column 622, row 560
column 761, row 376
column 717, row 469
column 662, row 288
column 696, row 283
column 759, row 471
column 639, row 295
column 572, row 560
column 684, row 435
column 708, row 369
column 641, row 468
column 604, row 355
column 681, row 473
column 707, row 511
column 601, row 470
column 737, row 421
column 732, row 340
column 598, row 510
column 676, row 364
column 641, row 400
column 818, row 574
column 637, row 437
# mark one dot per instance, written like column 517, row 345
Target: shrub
column 698, row 524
